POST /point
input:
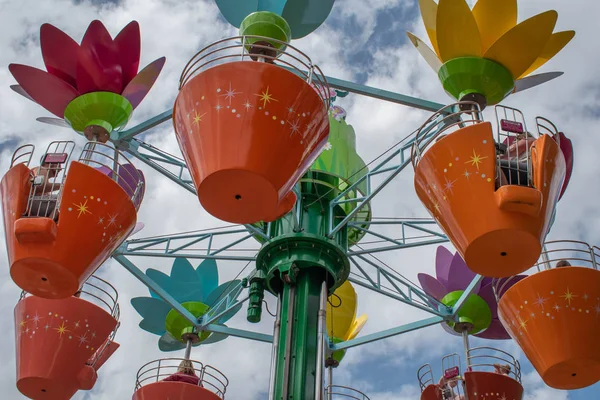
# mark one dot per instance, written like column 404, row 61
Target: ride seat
column 173, row 391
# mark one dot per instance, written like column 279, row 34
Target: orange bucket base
column 573, row 374
column 174, row 391
column 238, row 196
column 503, row 253
column 552, row 315
column 44, row 278
column 38, row 388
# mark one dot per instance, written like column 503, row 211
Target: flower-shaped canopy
column 566, row 146
column 198, row 290
column 302, row 16
column 342, row 322
column 99, row 64
column 489, row 31
column 453, row 275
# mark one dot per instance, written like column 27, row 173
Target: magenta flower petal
column 47, row 90
column 432, row 286
column 567, row 149
column 98, row 68
column 128, row 44
column 459, row 275
column 60, row 53
column 495, row 331
column 443, row 259
column 139, row 87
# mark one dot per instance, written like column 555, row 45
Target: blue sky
column 360, row 42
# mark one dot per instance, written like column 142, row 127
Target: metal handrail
column 483, row 363
column 16, row 156
column 154, row 371
column 287, row 56
column 121, row 175
column 576, row 252
column 98, row 354
column 447, row 118
column 423, row 383
column 98, row 292
column 337, row 391
column 546, row 127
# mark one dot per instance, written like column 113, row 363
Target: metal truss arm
column 167, row 298
column 465, row 295
column 396, row 287
column 387, row 333
column 173, row 246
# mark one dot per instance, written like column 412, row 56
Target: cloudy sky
column 362, row 41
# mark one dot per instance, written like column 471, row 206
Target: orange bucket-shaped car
column 61, row 344
column 497, row 227
column 160, row 380
column 56, row 238
column 481, row 381
column 554, row 316
column 248, row 131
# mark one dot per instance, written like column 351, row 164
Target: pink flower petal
column 98, row 68
column 60, row 53
column 567, row 149
column 139, row 87
column 47, row 90
column 432, row 286
column 128, row 51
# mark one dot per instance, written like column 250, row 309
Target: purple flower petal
column 459, row 275
column 495, row 331
column 432, row 287
column 487, row 294
column 443, row 259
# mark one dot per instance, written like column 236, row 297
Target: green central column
column 299, row 258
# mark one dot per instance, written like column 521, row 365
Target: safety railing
column 258, row 49
column 514, row 144
column 546, row 127
column 425, row 376
column 444, row 121
column 556, row 254
column 333, row 392
column 116, row 166
column 22, row 155
column 99, row 292
column 489, row 359
column 208, row 377
column 100, row 352
column 47, row 180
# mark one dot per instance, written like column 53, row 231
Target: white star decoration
column 247, row 105
column 294, row 126
column 230, row 94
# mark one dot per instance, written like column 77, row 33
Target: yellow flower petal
column 494, row 18
column 356, row 327
column 457, row 32
column 556, row 43
column 429, row 15
column 340, row 317
column 426, row 52
column 520, row 47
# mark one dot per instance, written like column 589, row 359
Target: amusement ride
column 264, row 147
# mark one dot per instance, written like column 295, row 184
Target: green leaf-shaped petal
column 208, row 274
column 169, row 343
column 153, row 311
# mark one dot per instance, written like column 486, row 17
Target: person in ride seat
column 44, row 193
column 518, row 148
column 502, row 369
column 185, row 373
column 449, row 388
column 563, row 263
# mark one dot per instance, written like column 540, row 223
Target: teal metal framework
column 368, row 271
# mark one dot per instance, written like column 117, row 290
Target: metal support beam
column 166, row 297
column 373, row 337
column 465, row 295
column 259, row 337
column 143, row 127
